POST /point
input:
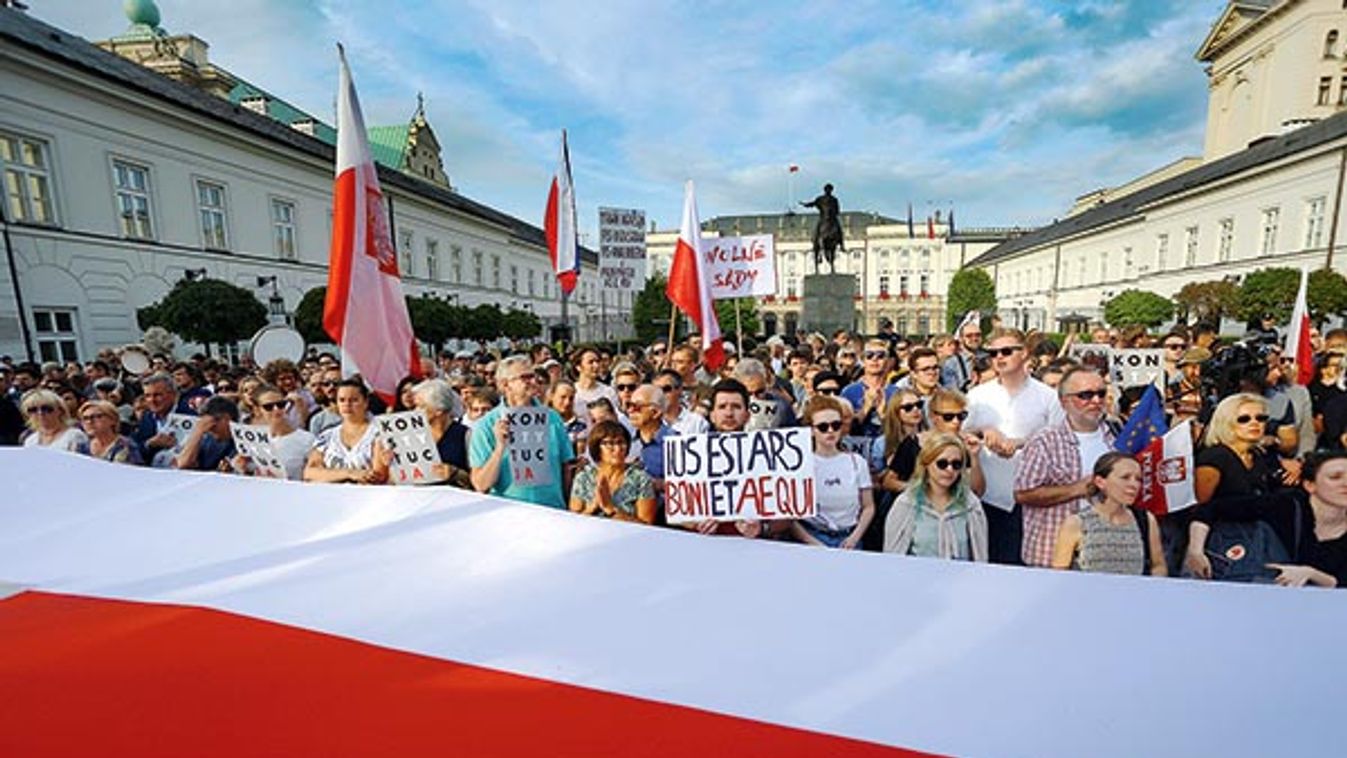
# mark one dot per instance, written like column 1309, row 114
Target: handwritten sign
column 1137, row 367
column 622, row 249
column 741, row 266
column 761, row 414
column 740, row 476
column 529, row 460
column 1098, row 357
column 179, row 427
column 254, row 443
column 407, row 436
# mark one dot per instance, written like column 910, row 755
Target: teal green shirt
column 482, row 444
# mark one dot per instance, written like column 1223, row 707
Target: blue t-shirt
column 482, row 443
column 872, row 425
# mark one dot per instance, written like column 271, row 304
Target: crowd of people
column 995, row 448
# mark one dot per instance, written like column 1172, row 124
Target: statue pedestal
column 828, row 303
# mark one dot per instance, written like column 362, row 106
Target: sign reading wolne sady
column 741, row 266
column 254, row 443
column 622, row 249
column 529, row 458
column 739, row 476
column 407, row 436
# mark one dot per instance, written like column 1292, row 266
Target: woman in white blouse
column 48, row 422
column 345, row 453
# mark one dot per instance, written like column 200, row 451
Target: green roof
column 387, row 144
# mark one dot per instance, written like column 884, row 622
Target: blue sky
column 1005, row 110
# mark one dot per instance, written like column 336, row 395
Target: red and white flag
column 1167, row 471
column 559, row 222
column 364, row 312
column 690, row 282
column 1298, row 335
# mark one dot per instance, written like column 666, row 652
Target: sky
column 1005, row 111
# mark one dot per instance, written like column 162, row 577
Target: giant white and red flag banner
column 364, row 311
column 167, row 613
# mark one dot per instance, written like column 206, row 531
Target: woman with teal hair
column 937, row 515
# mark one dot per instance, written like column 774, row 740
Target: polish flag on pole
column 364, row 312
column 689, row 283
column 1298, row 335
column 559, row 222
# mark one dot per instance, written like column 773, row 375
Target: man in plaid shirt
column 1057, row 462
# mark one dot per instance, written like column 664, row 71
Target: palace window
column 54, row 329
column 27, row 179
column 1226, row 241
column 1129, row 265
column 433, row 260
column 477, row 267
column 531, row 279
column 495, row 272
column 1331, row 44
column 210, row 203
column 925, row 286
column 1161, row 251
column 1314, row 222
column 132, row 183
column 1271, row 220
column 1325, row 90
column 456, row 263
column 902, row 285
column 1190, row 246
column 405, row 254
column 283, row 228
column 883, row 285
column 514, row 278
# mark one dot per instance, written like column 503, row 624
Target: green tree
column 1208, row 301
column 208, row 311
column 149, row 316
column 431, row 319
column 1273, row 290
column 748, row 313
column 1326, row 295
column 521, row 324
column 483, row 322
column 1133, row 307
column 309, row 317
column 650, row 310
column 971, row 289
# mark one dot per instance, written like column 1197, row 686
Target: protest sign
column 761, row 413
column 739, row 476
column 741, row 266
column 529, row 458
column 1137, row 367
column 407, row 436
column 1096, row 357
column 254, row 443
column 179, row 427
column 622, row 249
column 869, row 448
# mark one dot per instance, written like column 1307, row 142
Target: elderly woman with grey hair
column 444, row 408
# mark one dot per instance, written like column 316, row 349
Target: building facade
column 1268, row 191
column 902, row 271
column 126, row 170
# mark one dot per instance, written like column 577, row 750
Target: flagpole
column 738, row 329
column 673, row 324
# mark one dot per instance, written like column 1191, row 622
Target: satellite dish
column 274, row 342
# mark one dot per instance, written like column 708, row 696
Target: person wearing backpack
column 1308, row 527
column 1111, row 536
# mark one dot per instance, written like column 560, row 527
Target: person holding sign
column 729, row 413
column 160, row 395
column 290, row 445
column 519, row 450
column 843, row 490
column 1112, row 536
column 443, row 407
column 345, row 453
column 210, row 444
column 938, row 516
column 613, row 488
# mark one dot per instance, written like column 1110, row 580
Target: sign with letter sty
column 1138, row 367
column 407, row 436
column 622, row 249
column 529, row 462
column 254, row 443
column 741, row 266
column 739, row 476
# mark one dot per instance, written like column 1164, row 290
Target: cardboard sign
column 1138, row 367
column 761, row 413
column 741, row 266
column 254, row 443
column 739, row 476
column 1098, row 357
column 529, row 457
column 869, row 448
column 622, row 249
column 407, row 436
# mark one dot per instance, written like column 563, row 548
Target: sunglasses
column 1288, row 361
column 1261, row 418
column 1086, row 396
column 326, row 383
column 944, row 464
column 625, row 387
column 909, row 406
column 42, row 409
column 274, row 405
column 1005, row 352
column 924, row 369
column 1176, row 347
column 665, row 387
column 871, row 355
column 828, row 426
column 830, row 391
column 950, row 417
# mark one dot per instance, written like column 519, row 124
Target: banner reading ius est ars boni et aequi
column 739, row 476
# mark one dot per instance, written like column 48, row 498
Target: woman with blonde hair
column 903, row 419
column 100, row 420
column 1234, row 460
column 938, row 516
column 48, row 423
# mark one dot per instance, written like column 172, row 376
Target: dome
column 143, row 12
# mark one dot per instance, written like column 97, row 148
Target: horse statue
column 828, row 230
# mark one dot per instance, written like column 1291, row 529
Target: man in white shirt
column 1006, row 412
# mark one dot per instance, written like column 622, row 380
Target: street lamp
column 275, row 304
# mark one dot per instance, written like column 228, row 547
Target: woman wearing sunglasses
column 842, row 488
column 291, row 445
column 1234, row 462
column 48, row 423
column 903, row 420
column 946, row 411
column 938, row 516
column 1112, row 536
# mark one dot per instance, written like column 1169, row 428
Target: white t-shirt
column 72, row 440
column 1092, row 448
column 838, row 480
column 293, row 450
column 1035, row 406
column 584, row 397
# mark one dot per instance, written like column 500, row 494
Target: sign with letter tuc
column 529, row 463
column 739, row 476
column 407, row 436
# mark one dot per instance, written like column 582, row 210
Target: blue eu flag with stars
column 1146, row 423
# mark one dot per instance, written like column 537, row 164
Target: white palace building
column 1267, row 190
column 129, row 163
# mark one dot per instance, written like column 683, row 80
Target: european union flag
column 1146, row 423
